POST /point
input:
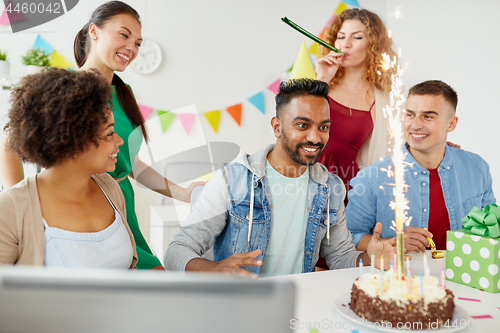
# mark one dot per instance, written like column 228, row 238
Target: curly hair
column 379, row 43
column 294, row 88
column 56, row 114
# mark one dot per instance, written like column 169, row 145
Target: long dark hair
column 81, row 47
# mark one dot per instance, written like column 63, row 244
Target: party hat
column 303, row 67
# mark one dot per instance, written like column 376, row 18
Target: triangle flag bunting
column 258, row 101
column 213, row 119
column 303, row 67
column 145, row 110
column 4, row 19
column 275, row 86
column 235, row 112
column 342, row 6
column 13, row 16
column 41, row 43
column 166, row 119
column 58, row 60
column 187, row 121
column 354, row 3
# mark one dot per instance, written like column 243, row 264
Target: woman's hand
column 327, row 66
column 186, row 195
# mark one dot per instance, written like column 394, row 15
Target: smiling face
column 303, row 129
column 103, row 158
column 352, row 40
column 428, row 120
column 117, row 42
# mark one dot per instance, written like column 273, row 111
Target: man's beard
column 294, row 154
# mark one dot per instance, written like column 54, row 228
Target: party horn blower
column 310, row 35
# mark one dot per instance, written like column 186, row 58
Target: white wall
column 455, row 41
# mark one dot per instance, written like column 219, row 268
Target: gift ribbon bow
column 483, row 222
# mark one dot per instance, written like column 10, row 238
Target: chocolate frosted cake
column 400, row 305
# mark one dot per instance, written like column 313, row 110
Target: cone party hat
column 303, row 67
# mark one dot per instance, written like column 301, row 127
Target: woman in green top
column 109, row 42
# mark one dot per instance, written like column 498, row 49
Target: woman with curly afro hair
column 109, row 42
column 72, row 214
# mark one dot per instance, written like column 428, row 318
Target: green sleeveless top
column 132, row 140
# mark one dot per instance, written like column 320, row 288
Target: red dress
column 348, row 131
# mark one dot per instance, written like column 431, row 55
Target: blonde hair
column 378, row 44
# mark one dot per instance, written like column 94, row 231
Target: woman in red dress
column 359, row 86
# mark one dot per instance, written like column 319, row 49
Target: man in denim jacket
column 444, row 182
column 271, row 212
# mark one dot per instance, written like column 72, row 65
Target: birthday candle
column 381, row 275
column 373, row 261
column 408, row 265
column 442, row 280
column 392, row 275
column 421, row 286
column 395, row 260
column 409, row 279
column 426, row 267
column 361, row 270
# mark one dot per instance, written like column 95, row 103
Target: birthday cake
column 396, row 303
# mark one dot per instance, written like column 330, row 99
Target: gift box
column 473, row 253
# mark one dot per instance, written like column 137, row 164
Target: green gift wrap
column 473, row 260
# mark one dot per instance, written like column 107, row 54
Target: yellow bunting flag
column 340, row 8
column 235, row 112
column 58, row 60
column 314, row 48
column 303, row 67
column 213, row 119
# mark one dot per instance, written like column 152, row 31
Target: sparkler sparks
column 395, row 116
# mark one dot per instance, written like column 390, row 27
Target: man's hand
column 416, row 239
column 230, row 265
column 380, row 248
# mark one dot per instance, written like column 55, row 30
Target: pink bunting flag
column 187, row 121
column 275, row 86
column 145, row 110
column 14, row 15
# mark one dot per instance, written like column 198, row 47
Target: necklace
column 349, row 97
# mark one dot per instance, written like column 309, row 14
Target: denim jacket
column 221, row 217
column 465, row 180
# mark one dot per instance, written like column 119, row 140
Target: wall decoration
column 187, row 121
column 14, row 16
column 274, row 87
column 145, row 110
column 258, row 99
column 235, row 112
column 213, row 119
column 166, row 119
